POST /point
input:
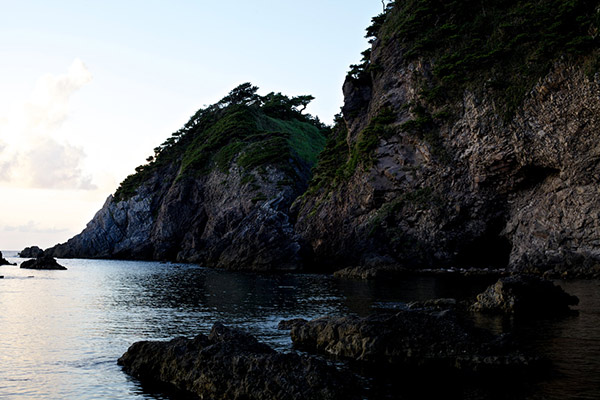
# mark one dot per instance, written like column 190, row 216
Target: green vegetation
column 254, row 130
column 338, row 162
column 506, row 46
column 501, row 46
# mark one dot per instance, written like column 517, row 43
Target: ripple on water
column 61, row 332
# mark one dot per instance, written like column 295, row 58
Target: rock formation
column 218, row 192
column 528, row 295
column 45, row 261
column 31, row 252
column 461, row 146
column 410, row 339
column 231, row 364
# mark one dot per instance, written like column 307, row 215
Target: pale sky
column 89, row 88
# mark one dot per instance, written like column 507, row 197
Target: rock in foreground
column 43, row 262
column 231, row 364
column 411, row 339
column 31, row 252
column 524, row 295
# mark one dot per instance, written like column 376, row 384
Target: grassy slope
column 241, row 132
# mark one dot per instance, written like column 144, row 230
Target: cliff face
column 219, row 196
column 426, row 172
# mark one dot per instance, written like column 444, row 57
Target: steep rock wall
column 217, row 221
column 479, row 189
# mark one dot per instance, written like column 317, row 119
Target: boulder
column 523, row 294
column 31, row 252
column 44, row 262
column 410, row 339
column 231, row 364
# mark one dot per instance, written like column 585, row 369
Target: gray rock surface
column 528, row 295
column 411, row 339
column 231, row 364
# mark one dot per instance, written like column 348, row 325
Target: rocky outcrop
column 231, row 364
column 527, row 295
column 216, row 220
column 219, row 195
column 410, row 339
column 31, row 252
column 46, row 261
column 3, row 261
column 459, row 180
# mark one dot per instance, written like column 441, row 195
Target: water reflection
column 62, row 331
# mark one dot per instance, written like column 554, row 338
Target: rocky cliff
column 469, row 136
column 217, row 192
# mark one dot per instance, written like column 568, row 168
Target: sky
column 89, row 88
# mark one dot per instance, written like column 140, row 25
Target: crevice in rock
column 532, row 175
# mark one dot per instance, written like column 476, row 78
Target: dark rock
column 4, row 261
column 411, row 339
column 44, row 262
column 522, row 294
column 287, row 325
column 231, row 364
column 31, row 252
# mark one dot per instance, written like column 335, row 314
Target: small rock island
column 31, row 252
column 45, row 261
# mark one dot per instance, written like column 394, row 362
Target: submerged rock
column 371, row 272
column 411, row 339
column 288, row 324
column 44, row 262
column 31, row 252
column 522, row 294
column 434, row 304
column 231, row 364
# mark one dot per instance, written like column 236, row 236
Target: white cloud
column 52, row 165
column 30, row 156
column 32, row 227
column 5, row 166
column 48, row 107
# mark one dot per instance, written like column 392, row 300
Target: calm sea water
column 61, row 332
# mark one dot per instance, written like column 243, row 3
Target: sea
column 61, row 332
